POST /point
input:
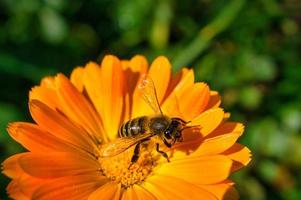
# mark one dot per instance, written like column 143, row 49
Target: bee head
column 173, row 133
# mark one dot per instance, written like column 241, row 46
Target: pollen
column 120, row 169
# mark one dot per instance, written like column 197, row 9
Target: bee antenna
column 181, row 120
column 187, row 127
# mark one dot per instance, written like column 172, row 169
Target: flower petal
column 129, row 194
column 143, row 194
column 160, row 71
column 91, row 76
column 77, row 77
column 216, row 145
column 11, row 167
column 33, row 138
column 70, row 187
column 112, row 90
column 208, row 120
column 22, row 185
column 54, row 165
column 196, row 95
column 210, row 146
column 223, row 191
column 14, row 191
column 240, row 154
column 28, row 184
column 166, row 187
column 228, row 127
column 182, row 78
column 214, row 100
column 46, row 95
column 171, row 104
column 136, row 67
column 110, row 190
column 59, row 126
column 76, row 106
column 200, row 170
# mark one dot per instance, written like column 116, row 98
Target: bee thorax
column 158, row 124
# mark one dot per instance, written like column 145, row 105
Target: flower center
column 120, row 169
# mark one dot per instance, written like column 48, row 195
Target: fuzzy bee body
column 155, row 124
column 134, row 127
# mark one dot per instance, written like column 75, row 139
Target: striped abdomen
column 133, row 127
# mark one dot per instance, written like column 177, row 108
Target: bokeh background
column 250, row 51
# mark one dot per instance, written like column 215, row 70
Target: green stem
column 205, row 36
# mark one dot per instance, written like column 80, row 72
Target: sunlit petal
column 167, row 187
column 202, row 170
column 69, row 187
column 54, row 165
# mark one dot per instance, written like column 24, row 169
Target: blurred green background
column 250, row 51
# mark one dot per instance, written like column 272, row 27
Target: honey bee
column 141, row 129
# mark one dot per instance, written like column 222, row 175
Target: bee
column 141, row 129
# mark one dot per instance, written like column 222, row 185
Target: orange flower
column 75, row 117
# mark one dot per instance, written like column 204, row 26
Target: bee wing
column 121, row 144
column 149, row 94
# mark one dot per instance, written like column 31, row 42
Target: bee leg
column 167, row 144
column 162, row 152
column 136, row 154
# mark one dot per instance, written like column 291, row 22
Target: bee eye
column 167, row 134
